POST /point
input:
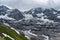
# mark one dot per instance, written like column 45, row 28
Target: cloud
column 28, row 4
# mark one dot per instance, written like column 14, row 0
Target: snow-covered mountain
column 6, row 13
column 50, row 14
column 36, row 21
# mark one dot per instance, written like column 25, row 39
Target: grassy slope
column 11, row 33
column 1, row 38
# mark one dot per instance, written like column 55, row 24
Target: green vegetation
column 11, row 33
column 1, row 38
column 7, row 38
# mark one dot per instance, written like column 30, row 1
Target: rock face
column 16, row 14
column 3, row 9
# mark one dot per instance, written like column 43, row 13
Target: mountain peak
column 3, row 9
column 15, row 10
column 16, row 14
column 3, row 6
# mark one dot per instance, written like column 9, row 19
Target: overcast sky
column 28, row 4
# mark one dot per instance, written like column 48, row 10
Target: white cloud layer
column 27, row 4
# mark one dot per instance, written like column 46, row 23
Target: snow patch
column 7, row 36
column 58, row 17
column 33, row 11
column 15, row 30
column 6, row 17
column 6, row 24
column 46, row 37
column 28, row 16
column 27, row 37
column 31, row 33
column 28, row 33
column 40, row 14
column 46, row 20
column 54, row 12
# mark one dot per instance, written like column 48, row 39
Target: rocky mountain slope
column 36, row 23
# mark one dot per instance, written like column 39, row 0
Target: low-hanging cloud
column 28, row 4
